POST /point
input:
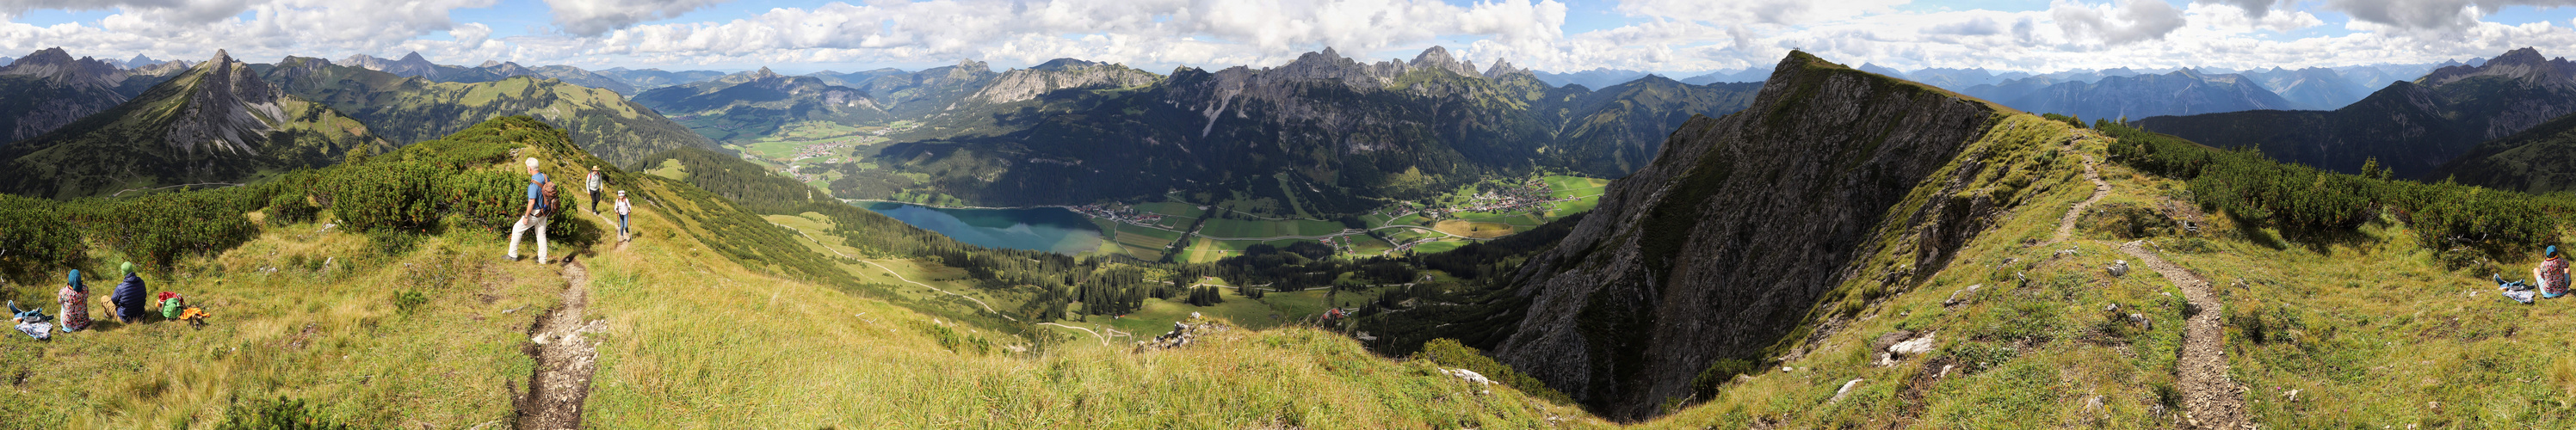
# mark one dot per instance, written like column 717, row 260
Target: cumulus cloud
column 1784, row 12
column 592, row 17
column 2129, row 21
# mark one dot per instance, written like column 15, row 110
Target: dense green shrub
column 160, row 228
column 280, row 414
column 35, row 238
column 290, row 208
column 487, row 200
column 2444, row 216
column 387, row 195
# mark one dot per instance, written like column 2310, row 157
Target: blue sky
column 1669, row 36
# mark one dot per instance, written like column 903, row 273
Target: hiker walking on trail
column 2551, row 274
column 623, row 209
column 128, row 298
column 539, row 209
column 593, row 184
column 75, row 300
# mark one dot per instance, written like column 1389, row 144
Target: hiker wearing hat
column 593, row 184
column 75, row 300
column 540, row 207
column 127, row 301
column 623, row 208
column 2552, row 274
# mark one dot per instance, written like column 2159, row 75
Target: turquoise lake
column 1043, row 229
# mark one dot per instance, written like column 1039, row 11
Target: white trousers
column 524, row 224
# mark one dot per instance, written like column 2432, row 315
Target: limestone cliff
column 1721, row 245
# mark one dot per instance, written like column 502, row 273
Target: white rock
column 1469, row 375
column 1845, row 390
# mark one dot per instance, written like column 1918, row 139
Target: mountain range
column 756, row 104
column 218, row 121
column 48, row 89
column 1342, row 135
column 2411, row 126
column 2181, row 92
column 406, row 109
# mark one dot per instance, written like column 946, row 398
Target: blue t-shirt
column 536, row 187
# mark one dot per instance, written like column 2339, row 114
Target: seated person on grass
column 2551, row 274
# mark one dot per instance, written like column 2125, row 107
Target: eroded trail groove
column 565, row 359
column 2066, row 224
column 2211, row 399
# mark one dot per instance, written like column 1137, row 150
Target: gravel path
column 2210, row 398
column 565, row 360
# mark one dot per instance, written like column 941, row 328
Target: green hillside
column 406, row 110
column 2539, row 160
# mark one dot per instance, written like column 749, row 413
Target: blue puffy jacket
column 129, row 299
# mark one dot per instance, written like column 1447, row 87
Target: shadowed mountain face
column 2541, row 159
column 751, row 105
column 1325, row 133
column 413, row 109
column 2412, row 127
column 49, row 89
column 1722, row 244
column 215, row 122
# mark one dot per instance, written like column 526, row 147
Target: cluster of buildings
column 1530, row 193
column 1125, row 214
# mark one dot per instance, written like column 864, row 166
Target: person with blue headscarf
column 2551, row 274
column 75, row 300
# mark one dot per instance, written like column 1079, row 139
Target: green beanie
column 129, row 268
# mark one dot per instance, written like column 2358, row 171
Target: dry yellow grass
column 1479, row 230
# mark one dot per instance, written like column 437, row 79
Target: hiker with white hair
column 539, row 208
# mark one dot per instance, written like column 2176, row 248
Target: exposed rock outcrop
column 50, row 89
column 1060, row 74
column 1721, row 245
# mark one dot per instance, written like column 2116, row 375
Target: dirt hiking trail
column 2211, row 399
column 565, row 359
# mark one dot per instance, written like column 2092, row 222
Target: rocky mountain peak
column 1439, row 58
column 2526, row 65
column 764, row 73
column 1503, row 68
column 58, row 66
column 1065, row 64
column 413, row 56
column 228, row 111
column 490, row 63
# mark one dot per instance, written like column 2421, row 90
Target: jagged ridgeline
column 1726, row 244
column 218, row 122
column 1323, row 134
column 412, row 109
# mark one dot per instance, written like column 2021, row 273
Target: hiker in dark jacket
column 128, row 299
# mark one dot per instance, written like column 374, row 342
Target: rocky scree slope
column 2412, row 127
column 1722, row 245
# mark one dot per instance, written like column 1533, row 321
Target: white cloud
column 2445, row 16
column 1780, row 12
column 2129, row 21
column 592, row 17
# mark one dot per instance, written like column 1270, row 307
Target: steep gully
column 2211, row 399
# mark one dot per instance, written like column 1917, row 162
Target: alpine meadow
column 1300, row 214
